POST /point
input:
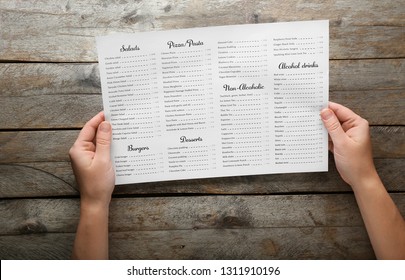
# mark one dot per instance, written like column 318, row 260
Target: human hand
column 91, row 162
column 350, row 144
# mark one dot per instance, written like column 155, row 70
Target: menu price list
column 216, row 101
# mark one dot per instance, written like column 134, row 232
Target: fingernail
column 105, row 127
column 326, row 114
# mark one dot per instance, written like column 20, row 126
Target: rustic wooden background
column 49, row 86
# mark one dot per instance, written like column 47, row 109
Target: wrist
column 98, row 200
column 94, row 208
column 368, row 182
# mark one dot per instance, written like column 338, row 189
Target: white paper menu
column 216, row 101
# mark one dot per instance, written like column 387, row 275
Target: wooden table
column 49, row 85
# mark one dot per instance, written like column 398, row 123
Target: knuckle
column 103, row 142
column 72, row 151
column 334, row 126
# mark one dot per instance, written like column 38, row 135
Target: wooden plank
column 264, row 243
column 53, row 145
column 36, row 247
column 47, row 95
column 371, row 74
column 37, row 216
column 33, row 79
column 379, row 107
column 382, row 134
column 272, row 243
column 27, row 181
column 32, row 146
column 254, row 227
column 45, row 179
column 49, row 111
column 365, row 29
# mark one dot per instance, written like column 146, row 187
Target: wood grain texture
column 37, row 216
column 36, row 247
column 281, row 216
column 34, row 79
column 247, row 227
column 53, row 145
column 27, row 181
column 378, row 107
column 32, row 146
column 72, row 111
column 272, row 243
column 262, row 243
column 47, row 179
column 365, row 29
column 49, row 111
column 67, row 95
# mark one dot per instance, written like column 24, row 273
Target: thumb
column 103, row 140
column 333, row 126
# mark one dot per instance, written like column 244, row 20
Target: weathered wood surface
column 36, row 79
column 65, row 30
column 23, row 146
column 50, row 86
column 254, row 227
column 262, row 243
column 379, row 107
column 31, row 169
column 67, row 95
column 36, row 216
column 47, row 179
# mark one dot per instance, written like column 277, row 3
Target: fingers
column 333, row 126
column 330, row 144
column 347, row 117
column 88, row 131
column 103, row 141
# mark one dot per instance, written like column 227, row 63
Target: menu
column 216, row 101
